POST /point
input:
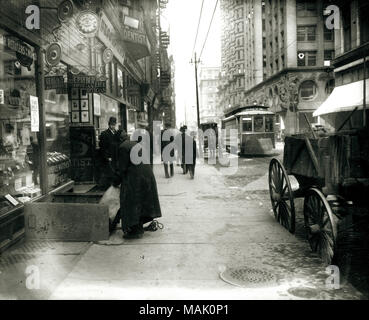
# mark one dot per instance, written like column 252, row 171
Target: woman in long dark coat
column 139, row 200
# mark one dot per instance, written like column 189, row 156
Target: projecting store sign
column 136, row 42
column 23, row 51
column 108, row 37
column 57, row 83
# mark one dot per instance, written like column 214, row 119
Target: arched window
column 308, row 90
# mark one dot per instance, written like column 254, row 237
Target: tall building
column 208, row 85
column 350, row 68
column 281, row 57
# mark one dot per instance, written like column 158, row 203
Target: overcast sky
column 181, row 16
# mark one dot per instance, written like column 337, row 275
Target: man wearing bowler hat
column 108, row 142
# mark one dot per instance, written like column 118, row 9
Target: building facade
column 60, row 81
column 286, row 53
column 208, row 92
column 350, row 69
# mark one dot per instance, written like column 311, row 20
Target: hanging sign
column 54, row 82
column 23, row 51
column 110, row 38
column 97, row 105
column 35, row 120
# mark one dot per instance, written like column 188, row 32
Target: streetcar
column 255, row 125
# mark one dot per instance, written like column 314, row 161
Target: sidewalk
column 206, row 231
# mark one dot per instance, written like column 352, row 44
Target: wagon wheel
column 281, row 195
column 319, row 224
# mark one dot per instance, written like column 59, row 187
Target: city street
column 212, row 224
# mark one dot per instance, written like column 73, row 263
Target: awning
column 344, row 98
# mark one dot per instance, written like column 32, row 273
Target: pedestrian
column 192, row 164
column 167, row 158
column 187, row 150
column 139, row 200
column 180, row 142
column 108, row 155
column 212, row 144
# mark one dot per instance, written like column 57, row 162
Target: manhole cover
column 248, row 277
column 303, row 292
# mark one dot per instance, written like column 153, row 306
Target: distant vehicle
column 255, row 126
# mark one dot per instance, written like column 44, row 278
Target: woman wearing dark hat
column 139, row 200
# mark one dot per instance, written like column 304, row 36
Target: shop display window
column 57, row 138
column 19, row 141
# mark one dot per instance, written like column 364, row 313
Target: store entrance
column 123, row 116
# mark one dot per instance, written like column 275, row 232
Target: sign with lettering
column 54, row 82
column 134, row 36
column 35, row 120
column 109, row 38
column 18, row 46
column 83, row 144
column 89, row 83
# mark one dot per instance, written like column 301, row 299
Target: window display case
column 19, row 150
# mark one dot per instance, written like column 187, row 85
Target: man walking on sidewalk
column 192, row 143
column 165, row 157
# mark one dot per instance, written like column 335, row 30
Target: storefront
column 52, row 114
column 21, row 174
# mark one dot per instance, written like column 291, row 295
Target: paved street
column 211, row 224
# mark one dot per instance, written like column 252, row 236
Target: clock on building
column 87, row 23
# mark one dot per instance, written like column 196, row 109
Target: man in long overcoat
column 109, row 141
column 167, row 158
column 139, row 200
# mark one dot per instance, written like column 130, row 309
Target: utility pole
column 364, row 95
column 196, row 62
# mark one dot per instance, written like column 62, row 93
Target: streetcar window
column 258, row 123
column 246, row 124
column 269, row 126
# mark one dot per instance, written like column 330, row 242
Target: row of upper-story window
column 309, row 33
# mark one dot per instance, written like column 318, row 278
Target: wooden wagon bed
column 333, row 175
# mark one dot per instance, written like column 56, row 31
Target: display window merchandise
column 19, row 138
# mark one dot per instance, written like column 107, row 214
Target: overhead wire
column 198, row 27
column 207, row 34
